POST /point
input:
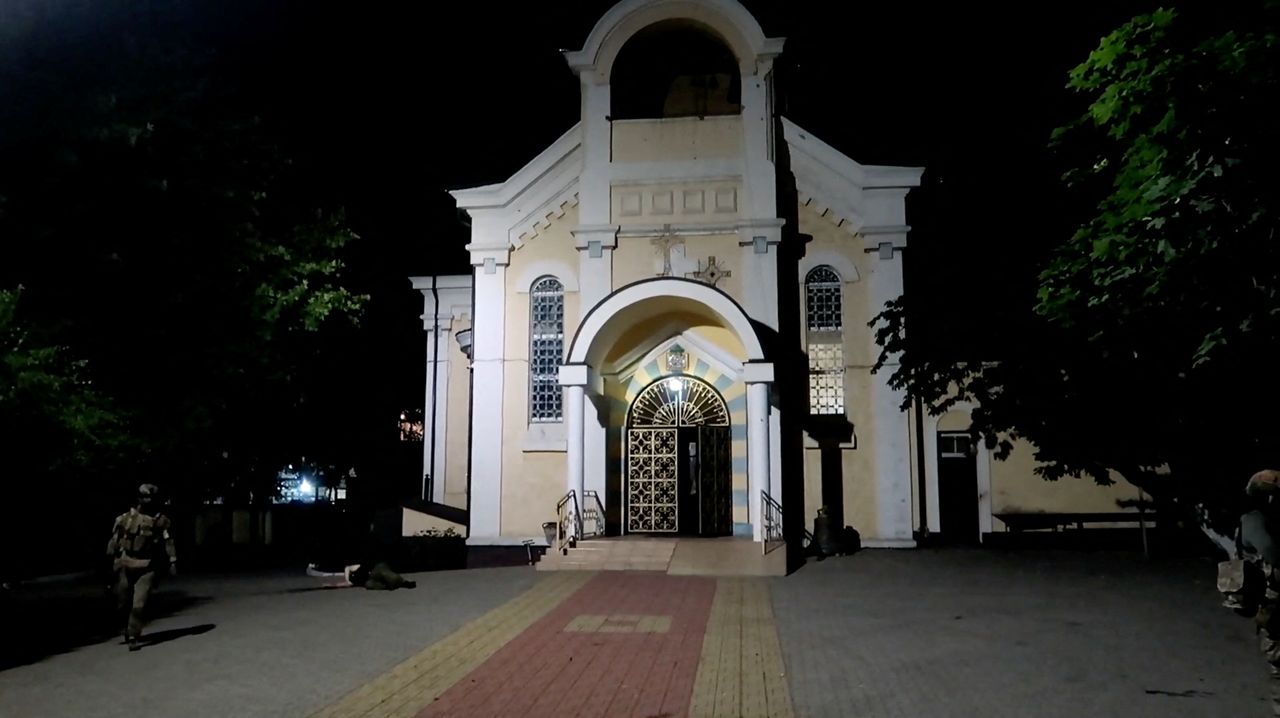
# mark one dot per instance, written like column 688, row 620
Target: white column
column 436, row 423
column 890, row 426
column 574, row 378
column 775, row 454
column 760, row 178
column 594, row 183
column 445, row 298
column 487, row 393
column 595, row 246
column 758, row 242
column 757, row 453
column 574, row 424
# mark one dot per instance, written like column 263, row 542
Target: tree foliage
column 46, row 393
column 166, row 233
column 1149, row 352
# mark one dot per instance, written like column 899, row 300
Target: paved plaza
column 879, row 634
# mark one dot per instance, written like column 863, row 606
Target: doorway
column 679, row 473
column 958, row 487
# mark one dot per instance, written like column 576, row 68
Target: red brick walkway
column 625, row 644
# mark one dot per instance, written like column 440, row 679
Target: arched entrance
column 679, row 474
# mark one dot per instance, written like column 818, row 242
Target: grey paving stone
column 276, row 648
column 961, row 633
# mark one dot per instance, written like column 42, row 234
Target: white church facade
column 666, row 325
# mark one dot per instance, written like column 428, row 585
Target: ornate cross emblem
column 665, row 244
column 711, row 273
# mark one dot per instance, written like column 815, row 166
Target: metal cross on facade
column 711, row 273
column 665, row 244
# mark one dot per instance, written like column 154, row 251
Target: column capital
column 489, row 257
column 885, row 240
column 760, row 234
column 437, row 323
column 582, row 375
column 602, row 236
column 757, row 372
column 574, row 374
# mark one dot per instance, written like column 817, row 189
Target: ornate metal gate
column 715, row 481
column 651, row 480
column 653, row 456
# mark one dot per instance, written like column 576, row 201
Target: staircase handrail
column 568, row 521
column 771, row 513
column 593, row 506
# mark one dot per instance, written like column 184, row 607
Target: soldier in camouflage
column 140, row 545
column 1257, row 534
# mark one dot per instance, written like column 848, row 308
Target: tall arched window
column 546, row 347
column 824, row 323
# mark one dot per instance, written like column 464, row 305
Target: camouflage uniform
column 1256, row 529
column 140, row 543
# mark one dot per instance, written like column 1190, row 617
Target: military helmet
column 1263, row 483
column 148, row 491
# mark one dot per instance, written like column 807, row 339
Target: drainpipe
column 471, row 400
column 435, row 385
column 920, row 477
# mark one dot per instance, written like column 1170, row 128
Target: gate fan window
column 546, row 346
column 679, row 401
column 824, row 319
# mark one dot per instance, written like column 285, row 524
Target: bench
column 1033, row 521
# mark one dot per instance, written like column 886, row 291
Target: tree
column 165, row 231
column 1157, row 320
column 47, row 398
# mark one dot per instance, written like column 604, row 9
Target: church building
column 665, row 331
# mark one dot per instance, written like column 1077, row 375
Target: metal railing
column 771, row 512
column 568, row 521
column 592, row 513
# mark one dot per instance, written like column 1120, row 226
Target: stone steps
column 688, row 557
column 612, row 555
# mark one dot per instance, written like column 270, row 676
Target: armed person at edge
column 140, row 547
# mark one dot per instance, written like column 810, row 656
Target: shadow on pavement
column 324, row 587
column 42, row 621
column 173, row 634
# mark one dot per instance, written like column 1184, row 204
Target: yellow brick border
column 412, row 685
column 741, row 672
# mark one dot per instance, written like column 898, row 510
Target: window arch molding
column 541, row 268
column 844, row 266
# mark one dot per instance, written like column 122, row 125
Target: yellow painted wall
column 860, row 354
column 860, row 347
column 636, row 258
column 859, row 489
column 644, row 335
column 681, row 139
column 1015, row 488
column 954, row 421
column 455, row 472
column 532, row 481
column 633, row 260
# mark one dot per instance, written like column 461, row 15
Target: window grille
column 824, row 309
column 825, row 304
column 546, row 347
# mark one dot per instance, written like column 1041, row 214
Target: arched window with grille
column 546, row 347
column 824, row 324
